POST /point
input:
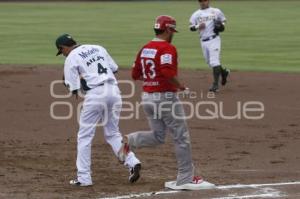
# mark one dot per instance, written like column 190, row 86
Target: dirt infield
column 37, row 153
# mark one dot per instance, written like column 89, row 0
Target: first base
column 190, row 186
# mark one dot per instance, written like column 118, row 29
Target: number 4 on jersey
column 101, row 69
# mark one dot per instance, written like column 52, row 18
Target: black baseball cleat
column 135, row 173
column 214, row 88
column 225, row 73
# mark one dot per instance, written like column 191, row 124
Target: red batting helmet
column 163, row 22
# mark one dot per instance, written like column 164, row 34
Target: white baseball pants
column 101, row 105
column 211, row 51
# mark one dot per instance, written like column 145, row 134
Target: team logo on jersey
column 148, row 53
column 85, row 54
column 206, row 18
column 166, row 59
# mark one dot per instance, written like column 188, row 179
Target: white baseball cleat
column 77, row 183
column 197, row 184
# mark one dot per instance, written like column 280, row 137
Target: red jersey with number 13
column 155, row 64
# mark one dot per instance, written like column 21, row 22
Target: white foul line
column 266, row 195
column 238, row 186
column 261, row 193
column 142, row 195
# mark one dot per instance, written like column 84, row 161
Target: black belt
column 102, row 84
column 86, row 88
column 209, row 38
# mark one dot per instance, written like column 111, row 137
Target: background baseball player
column 92, row 66
column 156, row 66
column 210, row 22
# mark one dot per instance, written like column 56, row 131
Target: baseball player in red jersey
column 156, row 65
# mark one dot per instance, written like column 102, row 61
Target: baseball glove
column 219, row 27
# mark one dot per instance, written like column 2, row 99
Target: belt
column 209, row 38
column 86, row 88
column 102, row 84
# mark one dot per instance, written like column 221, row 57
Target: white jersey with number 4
column 207, row 16
column 90, row 62
column 101, row 106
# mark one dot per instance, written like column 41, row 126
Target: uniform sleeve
column 112, row 64
column 136, row 71
column 193, row 19
column 220, row 16
column 168, row 62
column 72, row 78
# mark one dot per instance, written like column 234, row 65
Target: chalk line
column 237, row 186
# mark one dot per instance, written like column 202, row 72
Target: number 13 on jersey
column 148, row 68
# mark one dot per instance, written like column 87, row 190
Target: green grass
column 259, row 35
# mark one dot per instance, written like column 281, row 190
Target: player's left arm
column 174, row 80
column 111, row 62
column 219, row 22
column 168, row 61
column 171, row 74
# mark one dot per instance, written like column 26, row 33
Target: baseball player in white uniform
column 209, row 22
column 91, row 68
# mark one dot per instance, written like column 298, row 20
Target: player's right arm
column 194, row 24
column 136, row 71
column 71, row 75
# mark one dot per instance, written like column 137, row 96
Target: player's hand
column 197, row 27
column 184, row 89
column 75, row 92
column 63, row 80
column 181, row 87
column 218, row 26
